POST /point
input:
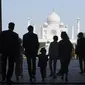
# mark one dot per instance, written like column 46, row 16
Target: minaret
column 67, row 28
column 28, row 21
column 78, row 25
column 72, row 32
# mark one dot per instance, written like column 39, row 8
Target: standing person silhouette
column 65, row 54
column 19, row 62
column 53, row 56
column 80, row 51
column 9, row 49
column 31, row 45
column 42, row 63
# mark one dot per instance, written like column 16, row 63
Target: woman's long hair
column 64, row 36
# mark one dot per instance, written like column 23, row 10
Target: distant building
column 54, row 26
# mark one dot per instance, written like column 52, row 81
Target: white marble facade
column 52, row 26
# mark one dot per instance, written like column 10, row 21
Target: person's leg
column 54, row 67
column 42, row 73
column 84, row 65
column 17, row 70
column 10, row 68
column 60, row 72
column 66, row 70
column 45, row 72
column 81, row 64
column 4, row 63
column 33, row 67
column 50, row 66
column 29, row 67
column 66, row 66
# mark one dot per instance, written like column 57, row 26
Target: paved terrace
column 73, row 77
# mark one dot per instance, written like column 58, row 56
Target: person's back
column 9, row 49
column 65, row 49
column 30, row 43
column 53, row 50
column 65, row 53
column 42, row 63
column 81, row 46
column 80, row 51
column 10, row 44
column 53, row 56
column 43, row 58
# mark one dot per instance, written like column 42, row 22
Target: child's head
column 43, row 50
column 55, row 38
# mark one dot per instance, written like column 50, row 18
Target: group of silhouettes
column 12, row 49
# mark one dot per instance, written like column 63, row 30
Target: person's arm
column 49, row 51
column 37, row 42
column 77, row 48
column 23, row 41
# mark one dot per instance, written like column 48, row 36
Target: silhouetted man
column 53, row 56
column 9, row 49
column 80, row 51
column 31, row 45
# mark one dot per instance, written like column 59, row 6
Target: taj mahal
column 54, row 26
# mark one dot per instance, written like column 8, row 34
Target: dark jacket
column 42, row 61
column 65, row 49
column 9, row 43
column 53, row 50
column 80, row 47
column 30, row 43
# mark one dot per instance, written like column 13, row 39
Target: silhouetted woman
column 65, row 53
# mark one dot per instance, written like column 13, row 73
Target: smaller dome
column 62, row 23
column 53, row 18
column 78, row 18
column 45, row 24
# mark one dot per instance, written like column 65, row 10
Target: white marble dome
column 53, row 18
column 45, row 24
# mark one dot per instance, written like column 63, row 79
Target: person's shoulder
column 4, row 30
column 34, row 34
column 16, row 34
column 51, row 43
column 60, row 41
column 25, row 34
column 84, row 38
column 39, row 56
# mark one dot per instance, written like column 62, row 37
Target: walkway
column 73, row 77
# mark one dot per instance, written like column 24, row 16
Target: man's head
column 30, row 28
column 11, row 26
column 55, row 38
column 80, row 35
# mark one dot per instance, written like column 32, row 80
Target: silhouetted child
column 42, row 63
column 19, row 63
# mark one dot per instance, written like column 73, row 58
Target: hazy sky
column 18, row 11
